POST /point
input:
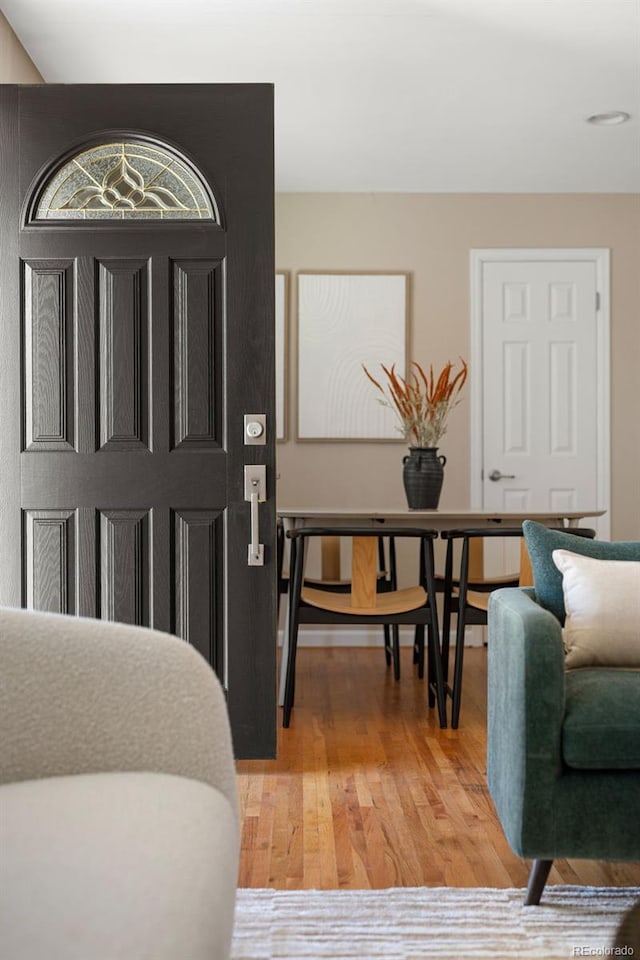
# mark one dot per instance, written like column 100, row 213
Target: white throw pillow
column 602, row 600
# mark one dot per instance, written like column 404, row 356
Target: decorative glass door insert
column 122, row 181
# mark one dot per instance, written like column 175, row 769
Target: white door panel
column 539, row 384
column 539, row 371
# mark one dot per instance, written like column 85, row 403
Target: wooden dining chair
column 468, row 595
column 332, row 580
column 446, row 583
column 363, row 602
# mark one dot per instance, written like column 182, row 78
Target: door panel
column 539, row 367
column 47, row 322
column 124, row 566
column 124, row 323
column 196, row 339
column 134, row 343
column 50, row 560
column 540, row 396
column 198, row 545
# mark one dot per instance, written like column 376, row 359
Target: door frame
column 600, row 257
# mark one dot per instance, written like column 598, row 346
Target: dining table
column 293, row 517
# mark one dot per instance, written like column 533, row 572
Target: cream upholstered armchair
column 118, row 815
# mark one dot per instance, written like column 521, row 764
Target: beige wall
column 15, row 64
column 431, row 236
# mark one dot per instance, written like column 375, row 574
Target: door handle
column 496, row 475
column 255, row 491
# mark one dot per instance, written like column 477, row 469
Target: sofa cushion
column 602, row 603
column 601, row 729
column 117, row 865
column 542, row 541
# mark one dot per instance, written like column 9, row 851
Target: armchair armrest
column 526, row 695
column 87, row 696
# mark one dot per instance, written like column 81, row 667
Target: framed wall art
column 346, row 320
column 282, row 340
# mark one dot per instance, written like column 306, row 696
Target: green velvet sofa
column 563, row 746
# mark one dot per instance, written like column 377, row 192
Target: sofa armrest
column 526, row 692
column 87, row 696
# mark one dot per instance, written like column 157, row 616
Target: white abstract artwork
column 281, row 355
column 345, row 321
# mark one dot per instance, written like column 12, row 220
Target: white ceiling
column 385, row 95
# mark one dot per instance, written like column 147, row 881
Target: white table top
column 437, row 519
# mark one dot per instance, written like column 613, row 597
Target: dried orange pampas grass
column 422, row 402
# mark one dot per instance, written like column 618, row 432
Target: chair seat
column 487, row 583
column 395, row 601
column 478, row 600
column 475, row 598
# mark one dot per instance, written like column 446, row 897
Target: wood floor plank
column 368, row 792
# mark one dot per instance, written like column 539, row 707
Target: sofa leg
column 537, row 879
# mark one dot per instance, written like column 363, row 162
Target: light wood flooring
column 368, row 792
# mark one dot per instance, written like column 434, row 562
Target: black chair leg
column 280, row 560
column 393, row 585
column 418, row 650
column 457, row 672
column 456, row 695
column 418, row 640
column 448, row 608
column 289, row 688
column 434, row 651
column 537, row 880
column 438, row 684
column 395, row 633
column 297, row 561
column 431, row 696
column 387, row 644
column 387, row 632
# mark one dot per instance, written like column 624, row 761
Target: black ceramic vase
column 422, row 475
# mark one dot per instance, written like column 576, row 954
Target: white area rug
column 416, row 923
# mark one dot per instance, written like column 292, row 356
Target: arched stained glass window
column 127, row 180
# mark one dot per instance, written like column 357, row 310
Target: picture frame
column 282, row 293
column 347, row 320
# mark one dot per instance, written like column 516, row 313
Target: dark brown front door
column 136, row 303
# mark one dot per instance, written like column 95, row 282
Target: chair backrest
column 364, row 571
column 330, row 568
column 473, row 547
column 476, row 559
column 525, row 578
column 363, row 594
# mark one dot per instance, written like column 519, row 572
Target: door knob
column 496, row 475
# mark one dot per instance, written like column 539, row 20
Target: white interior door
column 540, row 365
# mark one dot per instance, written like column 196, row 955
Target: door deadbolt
column 255, row 428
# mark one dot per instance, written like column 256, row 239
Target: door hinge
column 597, row 300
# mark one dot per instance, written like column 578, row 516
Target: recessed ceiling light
column 610, row 119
